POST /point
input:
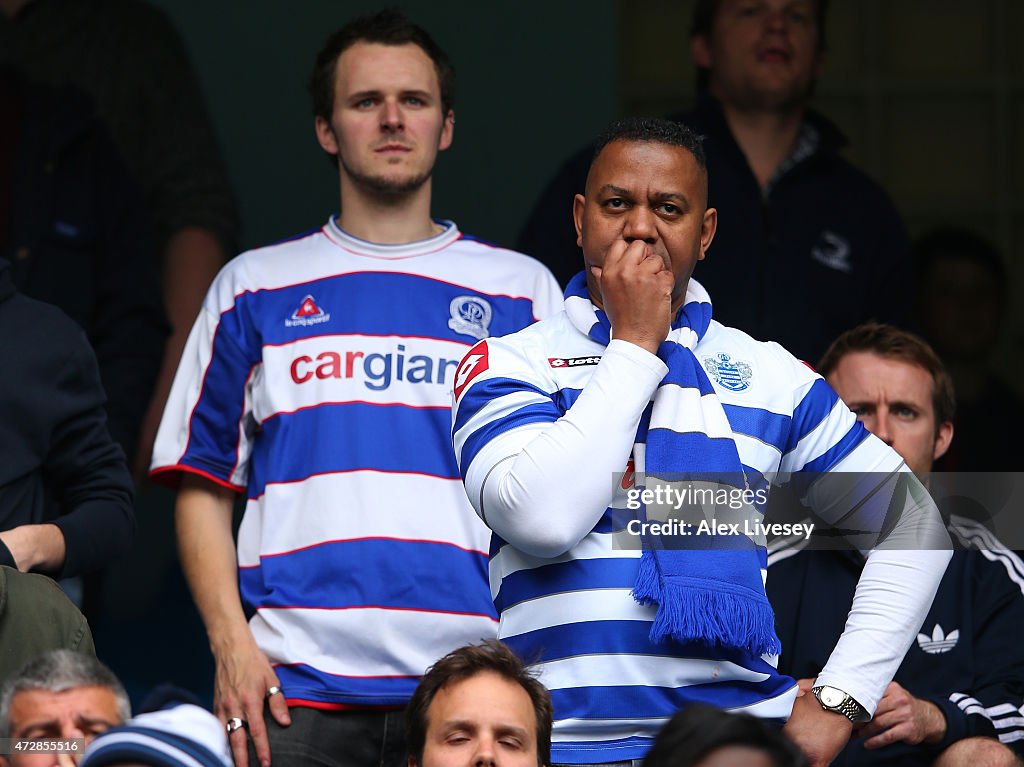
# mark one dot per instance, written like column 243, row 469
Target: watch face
column 830, row 696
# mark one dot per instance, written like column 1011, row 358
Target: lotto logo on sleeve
column 572, row 362
column 473, row 364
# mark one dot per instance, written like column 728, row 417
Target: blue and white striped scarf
column 712, row 592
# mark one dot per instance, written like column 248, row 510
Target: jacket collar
column 707, row 111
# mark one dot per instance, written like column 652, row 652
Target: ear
column 579, row 202
column 447, row 131
column 708, row 227
column 325, row 136
column 942, row 440
column 700, row 52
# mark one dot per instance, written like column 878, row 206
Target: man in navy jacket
column 65, row 491
column 957, row 697
column 807, row 245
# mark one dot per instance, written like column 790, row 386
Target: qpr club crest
column 471, row 316
column 734, row 376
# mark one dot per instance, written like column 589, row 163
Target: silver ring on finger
column 236, row 723
column 272, row 691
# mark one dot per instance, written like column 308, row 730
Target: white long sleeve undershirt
column 554, row 481
column 549, row 484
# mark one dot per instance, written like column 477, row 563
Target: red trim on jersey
column 349, row 471
column 302, row 703
column 170, row 476
column 368, row 272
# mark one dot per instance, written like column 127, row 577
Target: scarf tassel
column 689, row 611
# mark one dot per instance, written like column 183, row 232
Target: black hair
column 698, row 730
column 656, row 130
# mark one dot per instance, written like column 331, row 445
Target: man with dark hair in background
column 317, row 382
column 479, row 705
column 957, row 697
column 807, row 245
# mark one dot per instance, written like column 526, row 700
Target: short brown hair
column 387, row 27
column 893, row 343
column 467, row 662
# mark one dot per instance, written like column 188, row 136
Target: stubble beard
column 385, row 187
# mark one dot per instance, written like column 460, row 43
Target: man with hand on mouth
column 548, row 451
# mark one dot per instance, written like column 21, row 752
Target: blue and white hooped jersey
column 317, row 381
column 573, row 615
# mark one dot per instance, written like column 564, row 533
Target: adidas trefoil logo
column 938, row 642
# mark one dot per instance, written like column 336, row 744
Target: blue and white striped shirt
column 317, row 381
column 570, row 611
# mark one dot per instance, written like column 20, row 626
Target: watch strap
column 849, row 707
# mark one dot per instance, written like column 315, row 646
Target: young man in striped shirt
column 317, row 383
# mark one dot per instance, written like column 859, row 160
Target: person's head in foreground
column 479, row 705
column 61, row 694
column 701, row 736
column 898, row 387
column 646, row 197
column 182, row 735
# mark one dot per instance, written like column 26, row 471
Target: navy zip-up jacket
column 968, row 658
column 59, row 464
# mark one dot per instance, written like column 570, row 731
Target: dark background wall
column 535, row 80
column 930, row 94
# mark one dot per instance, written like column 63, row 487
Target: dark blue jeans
column 336, row 739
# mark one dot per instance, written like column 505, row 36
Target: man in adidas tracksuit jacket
column 958, row 695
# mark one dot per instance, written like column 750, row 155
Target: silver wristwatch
column 834, row 699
